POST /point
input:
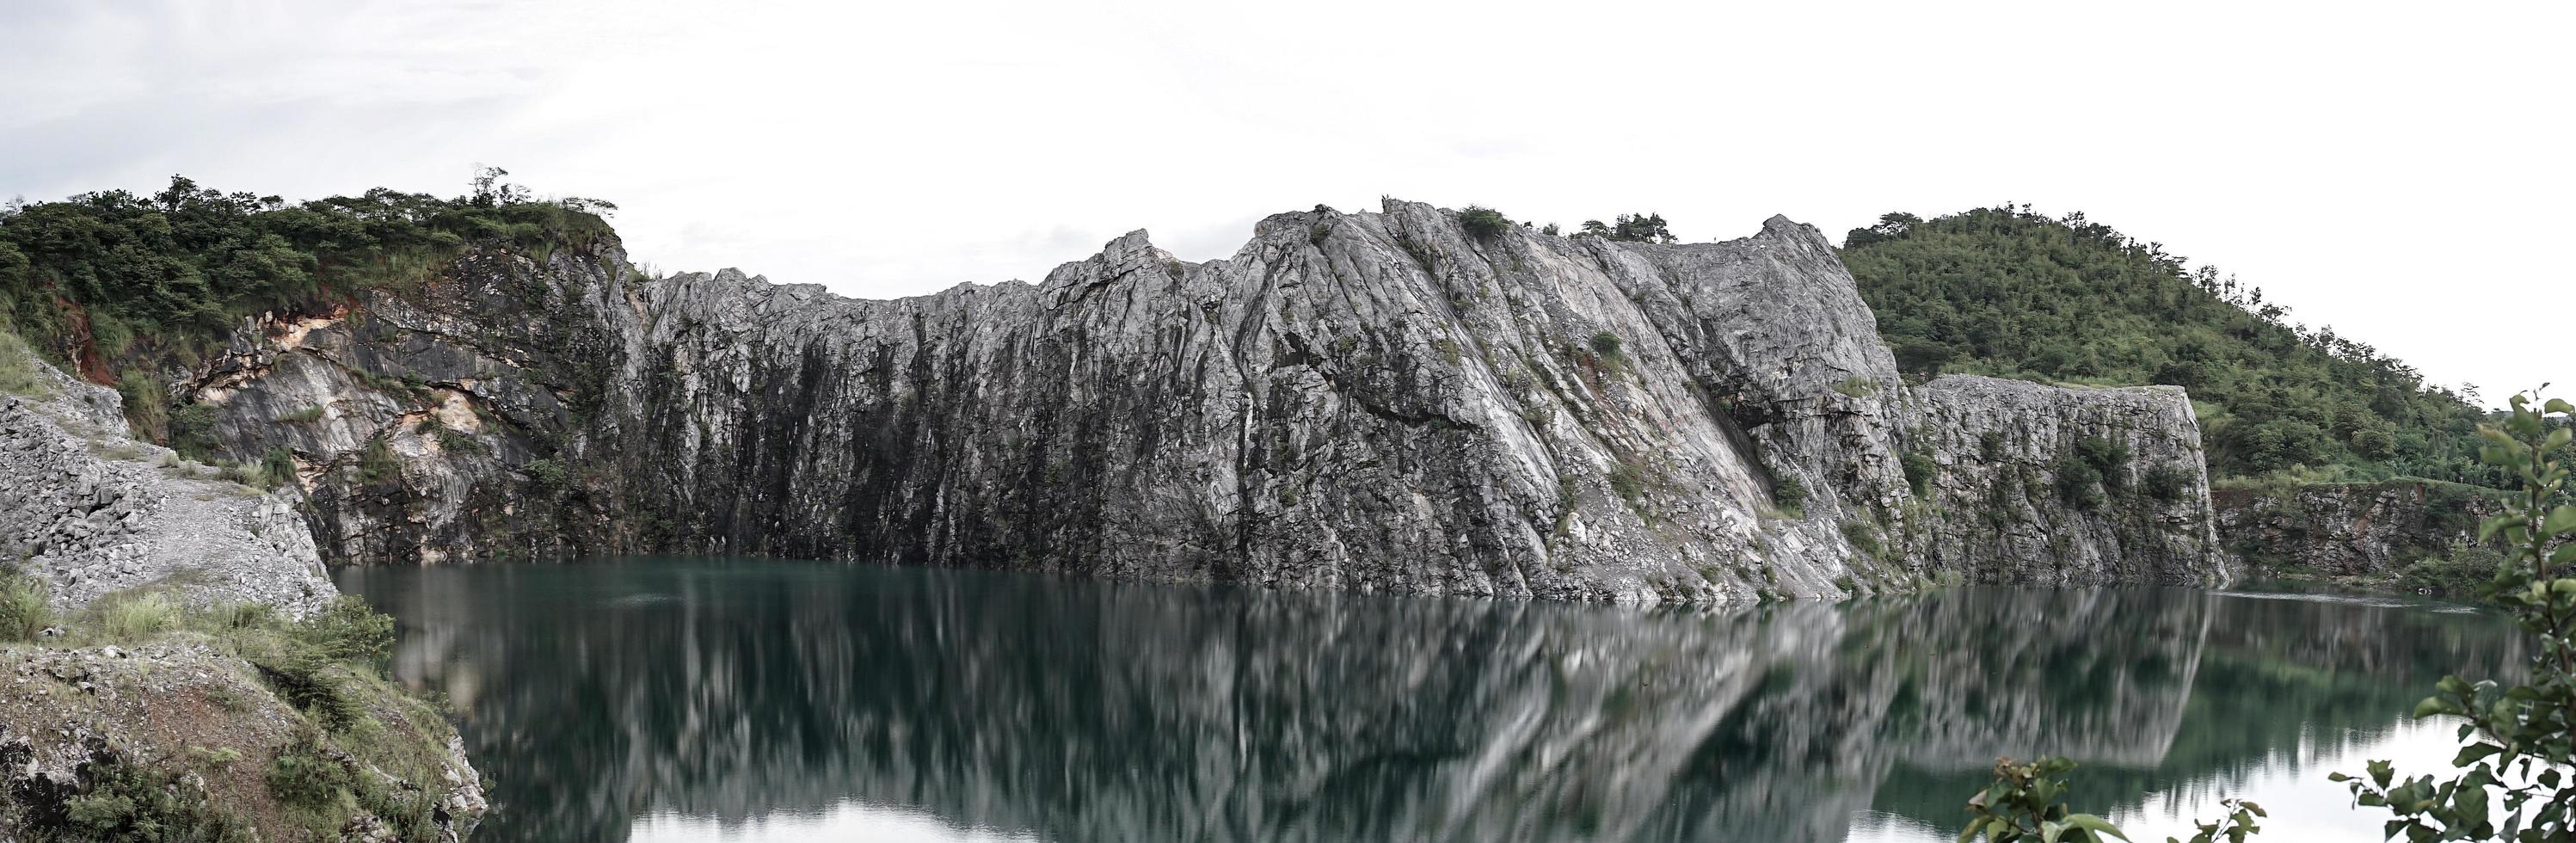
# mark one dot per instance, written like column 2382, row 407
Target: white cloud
column 2379, row 167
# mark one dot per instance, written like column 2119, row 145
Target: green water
column 758, row 700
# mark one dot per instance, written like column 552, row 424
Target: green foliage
column 1607, row 345
column 377, row 465
column 2518, row 741
column 276, row 468
column 351, row 631
column 1634, row 228
column 303, row 416
column 2027, row 804
column 136, row 617
column 2108, row 458
column 457, row 441
column 2079, row 483
column 192, row 430
column 1920, row 471
column 547, row 474
column 306, row 776
column 119, row 800
column 2003, row 291
column 1483, row 222
column 1864, row 538
column 18, row 375
column 2458, row 572
column 2166, row 483
column 24, row 611
column 1857, row 387
column 147, row 404
column 136, row 279
column 310, row 681
column 1790, row 493
column 1629, row 480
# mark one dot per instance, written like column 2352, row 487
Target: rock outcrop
column 90, row 511
column 107, row 741
column 2350, row 529
column 2045, row 484
column 1377, row 401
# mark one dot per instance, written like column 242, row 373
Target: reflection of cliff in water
column 1086, row 711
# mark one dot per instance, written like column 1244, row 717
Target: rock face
column 2057, row 485
column 2351, row 528
column 1378, row 401
column 90, row 511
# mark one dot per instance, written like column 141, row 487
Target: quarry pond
column 753, row 700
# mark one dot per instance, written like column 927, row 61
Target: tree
column 1483, row 222
column 1633, row 228
column 1891, row 226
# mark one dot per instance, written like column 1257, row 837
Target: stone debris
column 91, row 511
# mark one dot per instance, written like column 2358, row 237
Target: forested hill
column 2004, row 291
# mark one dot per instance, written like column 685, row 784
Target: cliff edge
column 1380, row 401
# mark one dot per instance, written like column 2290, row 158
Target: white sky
column 2396, row 170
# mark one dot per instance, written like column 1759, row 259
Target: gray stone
column 1373, row 401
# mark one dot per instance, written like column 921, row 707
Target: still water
column 717, row 699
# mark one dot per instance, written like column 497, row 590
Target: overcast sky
column 2389, row 169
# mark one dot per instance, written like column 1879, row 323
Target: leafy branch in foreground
column 2026, row 804
column 2518, row 740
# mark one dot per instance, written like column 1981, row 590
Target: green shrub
column 349, row 630
column 2458, row 572
column 303, row 416
column 1790, row 493
column 276, row 468
column 192, row 431
column 1920, row 471
column 2109, row 460
column 147, row 404
column 377, row 465
column 1483, row 222
column 2079, row 484
column 1607, row 345
column 547, row 474
column 1863, row 538
column 18, row 375
column 24, row 609
column 306, row 776
column 119, row 800
column 1856, row 387
column 2167, row 483
column 1629, row 480
column 135, row 618
column 309, row 680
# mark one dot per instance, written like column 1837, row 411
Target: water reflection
column 687, row 699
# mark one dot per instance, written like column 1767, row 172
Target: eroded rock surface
column 90, row 511
column 1374, row 401
column 2043, row 484
column 2351, row 529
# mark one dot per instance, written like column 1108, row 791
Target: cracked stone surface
column 1370, row 401
column 91, row 511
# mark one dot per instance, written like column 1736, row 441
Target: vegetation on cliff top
column 2007, row 292
column 123, row 286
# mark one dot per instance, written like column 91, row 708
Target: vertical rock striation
column 1376, row 401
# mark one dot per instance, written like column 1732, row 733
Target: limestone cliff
column 1378, row 401
column 2351, row 529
